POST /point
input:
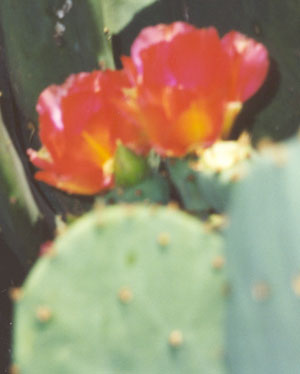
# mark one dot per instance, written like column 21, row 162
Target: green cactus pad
column 207, row 182
column 21, row 222
column 43, row 46
column 263, row 327
column 154, row 189
column 128, row 289
column 118, row 13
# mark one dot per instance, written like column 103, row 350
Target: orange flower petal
column 40, row 159
column 190, row 83
column 177, row 121
column 80, row 123
column 153, row 36
column 76, row 184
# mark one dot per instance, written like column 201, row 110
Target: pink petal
column 249, row 65
column 156, row 34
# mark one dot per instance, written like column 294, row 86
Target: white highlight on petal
column 50, row 101
column 97, row 86
column 241, row 45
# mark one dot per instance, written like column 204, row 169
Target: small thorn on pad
column 138, row 193
column 47, row 249
column 14, row 369
column 43, row 314
column 218, row 262
column 15, row 294
column 239, row 174
column 173, row 205
column 125, row 295
column 296, row 285
column 175, row 338
column 216, row 222
column 13, row 200
column 164, row 239
column 191, row 178
column 260, row 291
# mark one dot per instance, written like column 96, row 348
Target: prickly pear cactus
column 154, row 189
column 206, row 182
column 127, row 289
column 263, row 323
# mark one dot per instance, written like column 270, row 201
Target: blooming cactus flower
column 191, row 84
column 181, row 89
column 80, row 123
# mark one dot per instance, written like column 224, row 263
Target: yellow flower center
column 194, row 123
column 232, row 109
column 102, row 151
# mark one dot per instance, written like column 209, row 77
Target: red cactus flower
column 191, row 84
column 80, row 122
column 181, row 88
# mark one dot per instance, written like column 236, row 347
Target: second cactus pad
column 263, row 323
column 127, row 289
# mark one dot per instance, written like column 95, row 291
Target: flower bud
column 129, row 168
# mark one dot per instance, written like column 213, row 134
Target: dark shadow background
column 11, row 275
